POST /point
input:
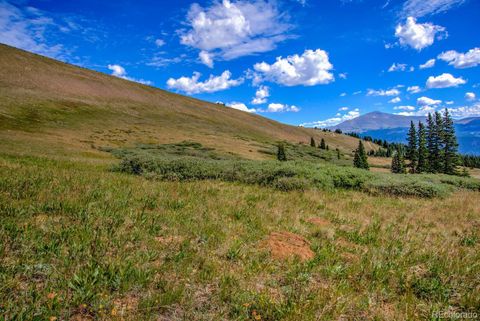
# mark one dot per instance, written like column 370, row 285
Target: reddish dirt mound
column 318, row 221
column 283, row 245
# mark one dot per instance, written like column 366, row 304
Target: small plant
column 281, row 156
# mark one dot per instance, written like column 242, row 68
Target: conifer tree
column 422, row 165
column 439, row 143
column 312, row 142
column 322, row 144
column 360, row 157
column 328, row 147
column 338, row 153
column 412, row 153
column 398, row 163
column 450, row 145
column 432, row 144
column 281, row 156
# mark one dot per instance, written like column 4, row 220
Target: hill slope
column 50, row 106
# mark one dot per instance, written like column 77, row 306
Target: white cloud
column 231, row 29
column 397, row 67
column 277, row 108
column 192, row 85
column 261, row 95
column 426, row 101
column 28, row 29
column 343, row 75
column 381, row 92
column 429, row 64
column 309, row 69
column 119, row 71
column 420, row 8
column 445, row 80
column 418, row 35
column 343, row 109
column 159, row 42
column 470, row 96
column 240, row 106
column 461, row 60
column 395, row 100
column 449, row 102
column 414, row 89
column 343, row 94
column 335, row 120
column 411, row 108
column 466, row 111
column 206, row 58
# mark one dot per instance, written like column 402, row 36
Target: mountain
column 394, row 128
column 51, row 108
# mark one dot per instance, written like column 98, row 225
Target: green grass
column 309, row 169
column 79, row 241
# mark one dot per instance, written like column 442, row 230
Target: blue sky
column 306, row 62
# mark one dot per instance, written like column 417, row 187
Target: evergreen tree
column 439, row 143
column 360, row 157
column 312, row 142
column 281, row 156
column 398, row 163
column 432, row 145
column 450, row 145
column 328, row 147
column 322, row 144
column 338, row 153
column 422, row 165
column 412, row 153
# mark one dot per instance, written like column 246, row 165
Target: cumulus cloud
column 261, row 95
column 381, row 92
column 397, row 67
column 240, row 106
column 395, row 100
column 426, row 101
column 278, row 108
column 206, row 58
column 343, row 109
column 470, row 96
column 231, row 29
column 410, row 108
column 420, row 8
column 192, row 85
column 418, row 35
column 445, row 80
column 159, row 42
column 309, row 69
column 414, row 89
column 465, row 111
column 343, row 75
column 119, row 71
column 343, row 94
column 429, row 64
column 461, row 60
column 333, row 121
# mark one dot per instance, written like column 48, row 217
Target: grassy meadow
column 119, row 201
column 83, row 242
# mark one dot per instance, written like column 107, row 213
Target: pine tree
column 281, row 156
column 328, row 147
column 398, row 163
column 338, row 153
column 412, row 155
column 360, row 157
column 312, row 142
column 422, row 165
column 439, row 143
column 322, row 144
column 432, row 144
column 450, row 145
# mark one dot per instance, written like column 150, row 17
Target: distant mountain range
column 394, row 128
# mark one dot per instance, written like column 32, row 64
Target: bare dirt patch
column 318, row 221
column 284, row 245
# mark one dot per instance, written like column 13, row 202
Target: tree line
column 431, row 148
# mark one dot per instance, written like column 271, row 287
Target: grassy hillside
column 47, row 105
column 119, row 201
